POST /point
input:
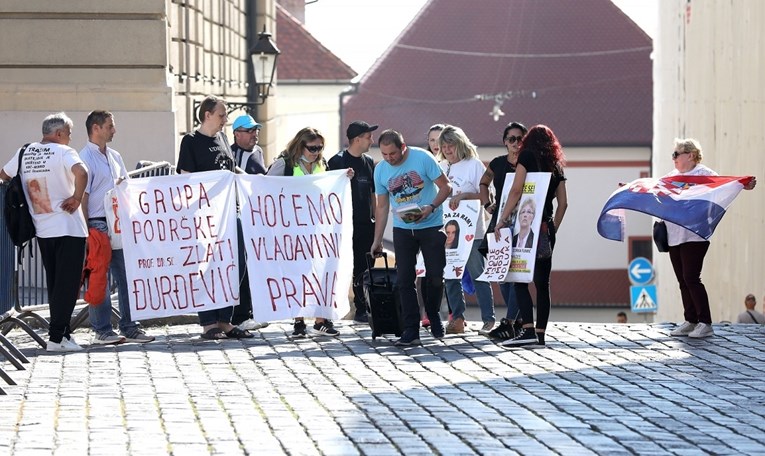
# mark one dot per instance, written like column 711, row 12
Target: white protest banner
column 112, row 219
column 498, row 259
column 298, row 233
column 526, row 227
column 459, row 226
column 179, row 242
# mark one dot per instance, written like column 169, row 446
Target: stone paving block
column 597, row 389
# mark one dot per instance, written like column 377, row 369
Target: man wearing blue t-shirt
column 410, row 180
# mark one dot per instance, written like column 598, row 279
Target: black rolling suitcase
column 380, row 290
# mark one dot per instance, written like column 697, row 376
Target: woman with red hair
column 540, row 152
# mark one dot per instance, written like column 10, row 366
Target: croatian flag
column 697, row 203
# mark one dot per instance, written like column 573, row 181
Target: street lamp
column 264, row 55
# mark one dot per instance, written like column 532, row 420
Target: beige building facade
column 708, row 69
column 147, row 61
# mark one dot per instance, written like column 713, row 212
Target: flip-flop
column 213, row 334
column 237, row 333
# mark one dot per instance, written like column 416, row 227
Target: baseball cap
column 245, row 121
column 357, row 128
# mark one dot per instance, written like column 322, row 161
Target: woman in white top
column 463, row 168
column 687, row 249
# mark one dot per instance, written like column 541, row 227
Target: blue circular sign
column 640, row 271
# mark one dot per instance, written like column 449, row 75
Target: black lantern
column 264, row 55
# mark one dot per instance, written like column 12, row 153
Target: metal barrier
column 9, row 301
column 23, row 286
column 147, row 168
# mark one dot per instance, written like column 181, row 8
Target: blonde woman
column 464, row 170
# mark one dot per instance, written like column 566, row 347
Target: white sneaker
column 683, row 330
column 64, row 346
column 71, row 343
column 702, row 330
column 251, row 324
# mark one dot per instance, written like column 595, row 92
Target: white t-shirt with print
column 46, row 172
column 465, row 176
column 676, row 234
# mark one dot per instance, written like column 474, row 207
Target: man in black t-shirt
column 364, row 203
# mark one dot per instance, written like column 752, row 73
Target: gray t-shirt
column 751, row 317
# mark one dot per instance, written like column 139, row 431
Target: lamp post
column 264, row 55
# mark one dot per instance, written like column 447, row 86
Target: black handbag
column 660, row 236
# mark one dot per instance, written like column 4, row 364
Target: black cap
column 357, row 128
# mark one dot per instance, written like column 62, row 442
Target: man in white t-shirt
column 54, row 181
column 106, row 168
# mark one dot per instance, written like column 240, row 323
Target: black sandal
column 213, row 334
column 237, row 333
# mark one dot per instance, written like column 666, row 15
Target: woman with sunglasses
column 687, row 249
column 495, row 173
column 540, row 152
column 207, row 149
column 303, row 157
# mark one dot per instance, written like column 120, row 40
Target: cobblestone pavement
column 595, row 389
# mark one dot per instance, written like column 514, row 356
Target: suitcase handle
column 371, row 264
column 371, row 259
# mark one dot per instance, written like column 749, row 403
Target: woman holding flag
column 687, row 249
column 540, row 152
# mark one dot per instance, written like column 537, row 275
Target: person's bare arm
column 72, row 203
column 560, row 211
column 84, row 205
column 444, row 190
column 483, row 189
column 512, row 197
column 381, row 219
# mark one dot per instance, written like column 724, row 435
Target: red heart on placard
column 469, row 237
column 419, row 271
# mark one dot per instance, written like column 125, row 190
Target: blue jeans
column 483, row 291
column 406, row 244
column 101, row 316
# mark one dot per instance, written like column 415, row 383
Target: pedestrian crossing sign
column 643, row 299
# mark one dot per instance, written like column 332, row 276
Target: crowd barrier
column 23, row 289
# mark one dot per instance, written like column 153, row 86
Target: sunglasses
column 513, row 139
column 676, row 154
column 314, row 149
